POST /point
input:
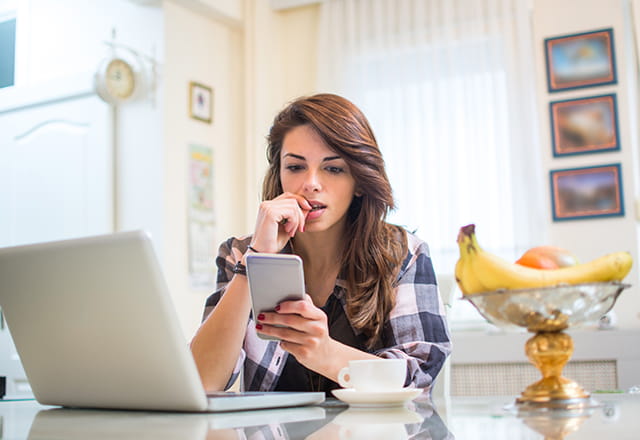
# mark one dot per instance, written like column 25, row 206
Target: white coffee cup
column 374, row 375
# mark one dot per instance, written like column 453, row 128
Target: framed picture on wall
column 590, row 192
column 584, row 125
column 580, row 60
column 200, row 102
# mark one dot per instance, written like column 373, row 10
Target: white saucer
column 372, row 399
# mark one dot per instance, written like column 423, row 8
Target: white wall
column 298, row 42
column 256, row 60
column 61, row 38
column 591, row 238
column 254, row 68
column 197, row 48
column 280, row 54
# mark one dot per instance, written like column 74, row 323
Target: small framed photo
column 584, row 125
column 580, row 60
column 200, row 102
column 581, row 193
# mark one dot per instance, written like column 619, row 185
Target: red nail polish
column 261, row 317
column 277, row 307
column 259, row 326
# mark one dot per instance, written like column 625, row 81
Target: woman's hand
column 278, row 220
column 307, row 336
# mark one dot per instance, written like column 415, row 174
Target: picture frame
column 584, row 125
column 580, row 60
column 200, row 102
column 588, row 192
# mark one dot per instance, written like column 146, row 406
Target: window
column 444, row 139
column 449, row 92
column 7, row 51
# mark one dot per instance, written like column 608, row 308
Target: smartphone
column 274, row 278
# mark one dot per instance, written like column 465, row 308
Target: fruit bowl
column 547, row 309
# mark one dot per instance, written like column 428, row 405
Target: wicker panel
column 512, row 378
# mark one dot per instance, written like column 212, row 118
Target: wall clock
column 117, row 80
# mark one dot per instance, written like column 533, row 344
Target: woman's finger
column 279, row 220
column 302, row 317
column 282, row 333
column 290, row 334
column 301, row 214
column 304, row 308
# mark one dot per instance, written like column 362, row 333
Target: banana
column 479, row 271
column 464, row 277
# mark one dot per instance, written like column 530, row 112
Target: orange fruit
column 547, row 257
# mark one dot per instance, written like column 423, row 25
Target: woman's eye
column 335, row 170
column 293, row 167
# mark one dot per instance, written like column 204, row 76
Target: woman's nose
column 312, row 182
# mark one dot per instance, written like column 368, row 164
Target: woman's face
column 310, row 168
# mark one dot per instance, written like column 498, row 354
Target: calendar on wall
column 201, row 218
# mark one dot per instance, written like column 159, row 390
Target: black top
column 296, row 377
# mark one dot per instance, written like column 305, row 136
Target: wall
column 199, row 48
column 256, row 60
column 53, row 43
column 280, row 59
column 594, row 237
column 254, row 69
column 298, row 41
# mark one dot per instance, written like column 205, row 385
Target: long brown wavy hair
column 372, row 260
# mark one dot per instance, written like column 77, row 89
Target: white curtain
column 448, row 87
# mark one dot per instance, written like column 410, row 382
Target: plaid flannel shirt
column 416, row 329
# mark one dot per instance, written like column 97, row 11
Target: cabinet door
column 56, row 182
column 56, row 171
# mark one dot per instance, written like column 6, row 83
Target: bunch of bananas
column 479, row 271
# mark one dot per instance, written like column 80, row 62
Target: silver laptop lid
column 94, row 325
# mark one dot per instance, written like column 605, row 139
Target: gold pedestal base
column 549, row 352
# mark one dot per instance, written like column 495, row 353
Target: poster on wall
column 580, row 60
column 589, row 192
column 201, row 218
column 584, row 125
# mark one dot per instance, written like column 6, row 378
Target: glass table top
column 492, row 417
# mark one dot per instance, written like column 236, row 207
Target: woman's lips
column 317, row 209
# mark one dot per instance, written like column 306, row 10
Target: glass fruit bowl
column 547, row 312
column 547, row 309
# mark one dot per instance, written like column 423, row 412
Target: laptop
column 95, row 327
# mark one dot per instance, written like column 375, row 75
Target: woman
column 371, row 286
